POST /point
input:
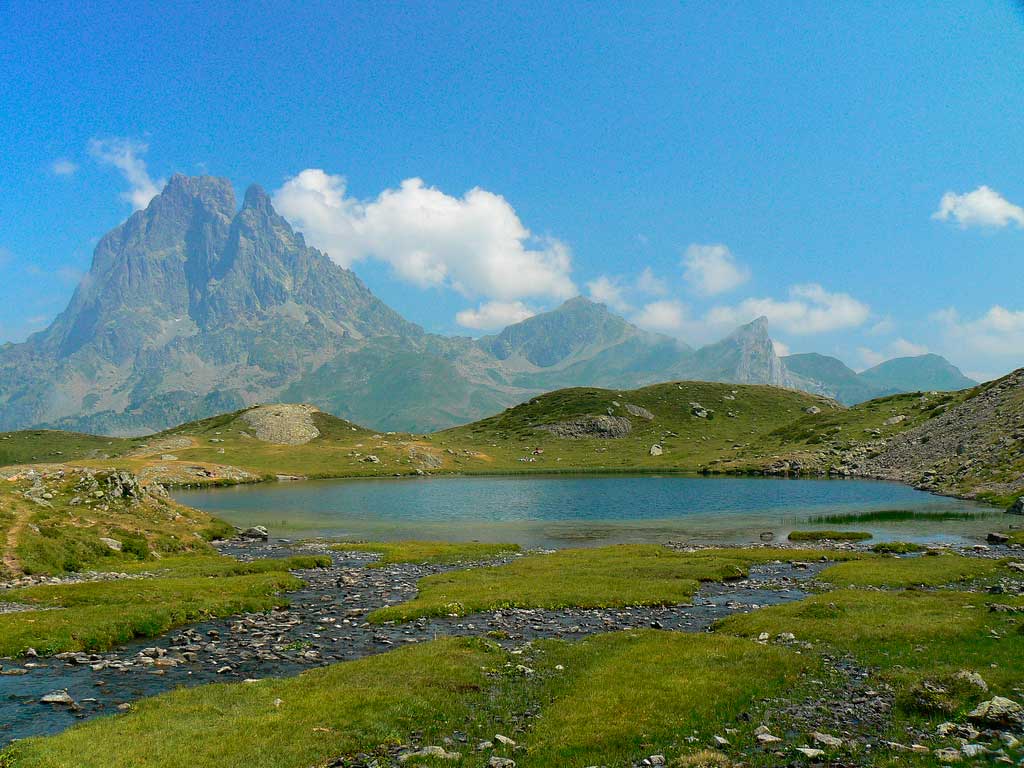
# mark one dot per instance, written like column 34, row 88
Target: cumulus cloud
column 998, row 333
column 810, row 309
column 651, row 284
column 125, row 155
column 609, row 290
column 984, row 207
column 63, row 167
column 781, row 348
column 712, row 269
column 493, row 315
column 475, row 244
column 666, row 316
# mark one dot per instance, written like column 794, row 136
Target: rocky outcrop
column 282, row 424
column 590, row 426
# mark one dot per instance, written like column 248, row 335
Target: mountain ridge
column 196, row 305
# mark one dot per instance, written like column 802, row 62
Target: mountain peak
column 214, row 192
column 257, row 198
column 755, row 329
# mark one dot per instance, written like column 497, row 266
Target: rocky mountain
column 829, row 376
column 195, row 306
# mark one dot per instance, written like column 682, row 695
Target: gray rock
column 58, row 697
column 997, row 538
column 656, row 450
column 1017, row 508
column 636, row 410
column 432, row 751
column 257, row 532
column 114, row 544
column 998, row 711
column 590, row 426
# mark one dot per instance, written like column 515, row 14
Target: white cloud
column 870, row 357
column 63, row 167
column 712, row 269
column 810, row 309
column 608, row 290
column 984, row 207
column 492, row 315
column 882, row 327
column 475, row 244
column 665, row 316
column 999, row 333
column 781, row 348
column 126, row 155
column 650, row 283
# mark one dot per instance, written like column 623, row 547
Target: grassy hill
column 964, row 443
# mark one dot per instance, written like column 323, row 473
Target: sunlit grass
column 427, row 552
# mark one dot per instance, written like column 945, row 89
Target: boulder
column 1017, row 508
column 997, row 538
column 590, row 426
column 257, row 532
column 636, row 410
column 998, row 711
column 656, row 450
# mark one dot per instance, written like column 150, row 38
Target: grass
column 829, row 536
column 623, row 575
column 52, row 445
column 909, row 634
column 629, row 695
column 890, row 516
column 897, row 548
column 427, row 552
column 608, row 700
column 96, row 616
column 903, row 572
column 64, row 533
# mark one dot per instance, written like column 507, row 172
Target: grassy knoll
column 737, row 421
column 628, row 574
column 902, row 572
column 610, row 700
column 829, row 536
column 897, row 547
column 95, row 616
column 909, row 634
column 32, row 446
column 56, row 521
column 427, row 552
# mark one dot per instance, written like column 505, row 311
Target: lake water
column 559, row 511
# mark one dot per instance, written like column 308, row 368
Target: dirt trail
column 10, row 558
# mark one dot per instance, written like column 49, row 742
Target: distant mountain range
column 194, row 307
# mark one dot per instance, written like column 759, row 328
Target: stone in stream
column 997, row 538
column 58, row 697
column 257, row 532
column 1017, row 508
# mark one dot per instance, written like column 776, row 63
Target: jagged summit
column 196, row 305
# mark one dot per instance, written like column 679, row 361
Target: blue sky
column 852, row 170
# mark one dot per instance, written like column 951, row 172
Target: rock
column 589, row 426
column 997, row 538
column 432, row 751
column 654, row 760
column 826, row 740
column 1018, row 567
column 700, row 411
column 636, row 410
column 720, row 741
column 813, row 410
column 767, row 739
column 257, row 532
column 371, row 459
column 58, row 697
column 998, row 711
column 1017, row 508
column 972, row 679
column 766, row 536
column 894, row 420
column 974, row 750
column 504, row 740
column 114, row 544
column 282, row 424
column 948, row 755
column 501, row 762
column 656, row 450
column 810, row 752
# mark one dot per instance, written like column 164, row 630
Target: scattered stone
column 590, row 426
column 504, row 740
column 972, row 679
column 826, row 740
column 501, row 762
column 636, row 410
column 810, row 752
column 114, row 544
column 656, row 450
column 257, row 532
column 1017, row 508
column 432, row 751
column 997, row 538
